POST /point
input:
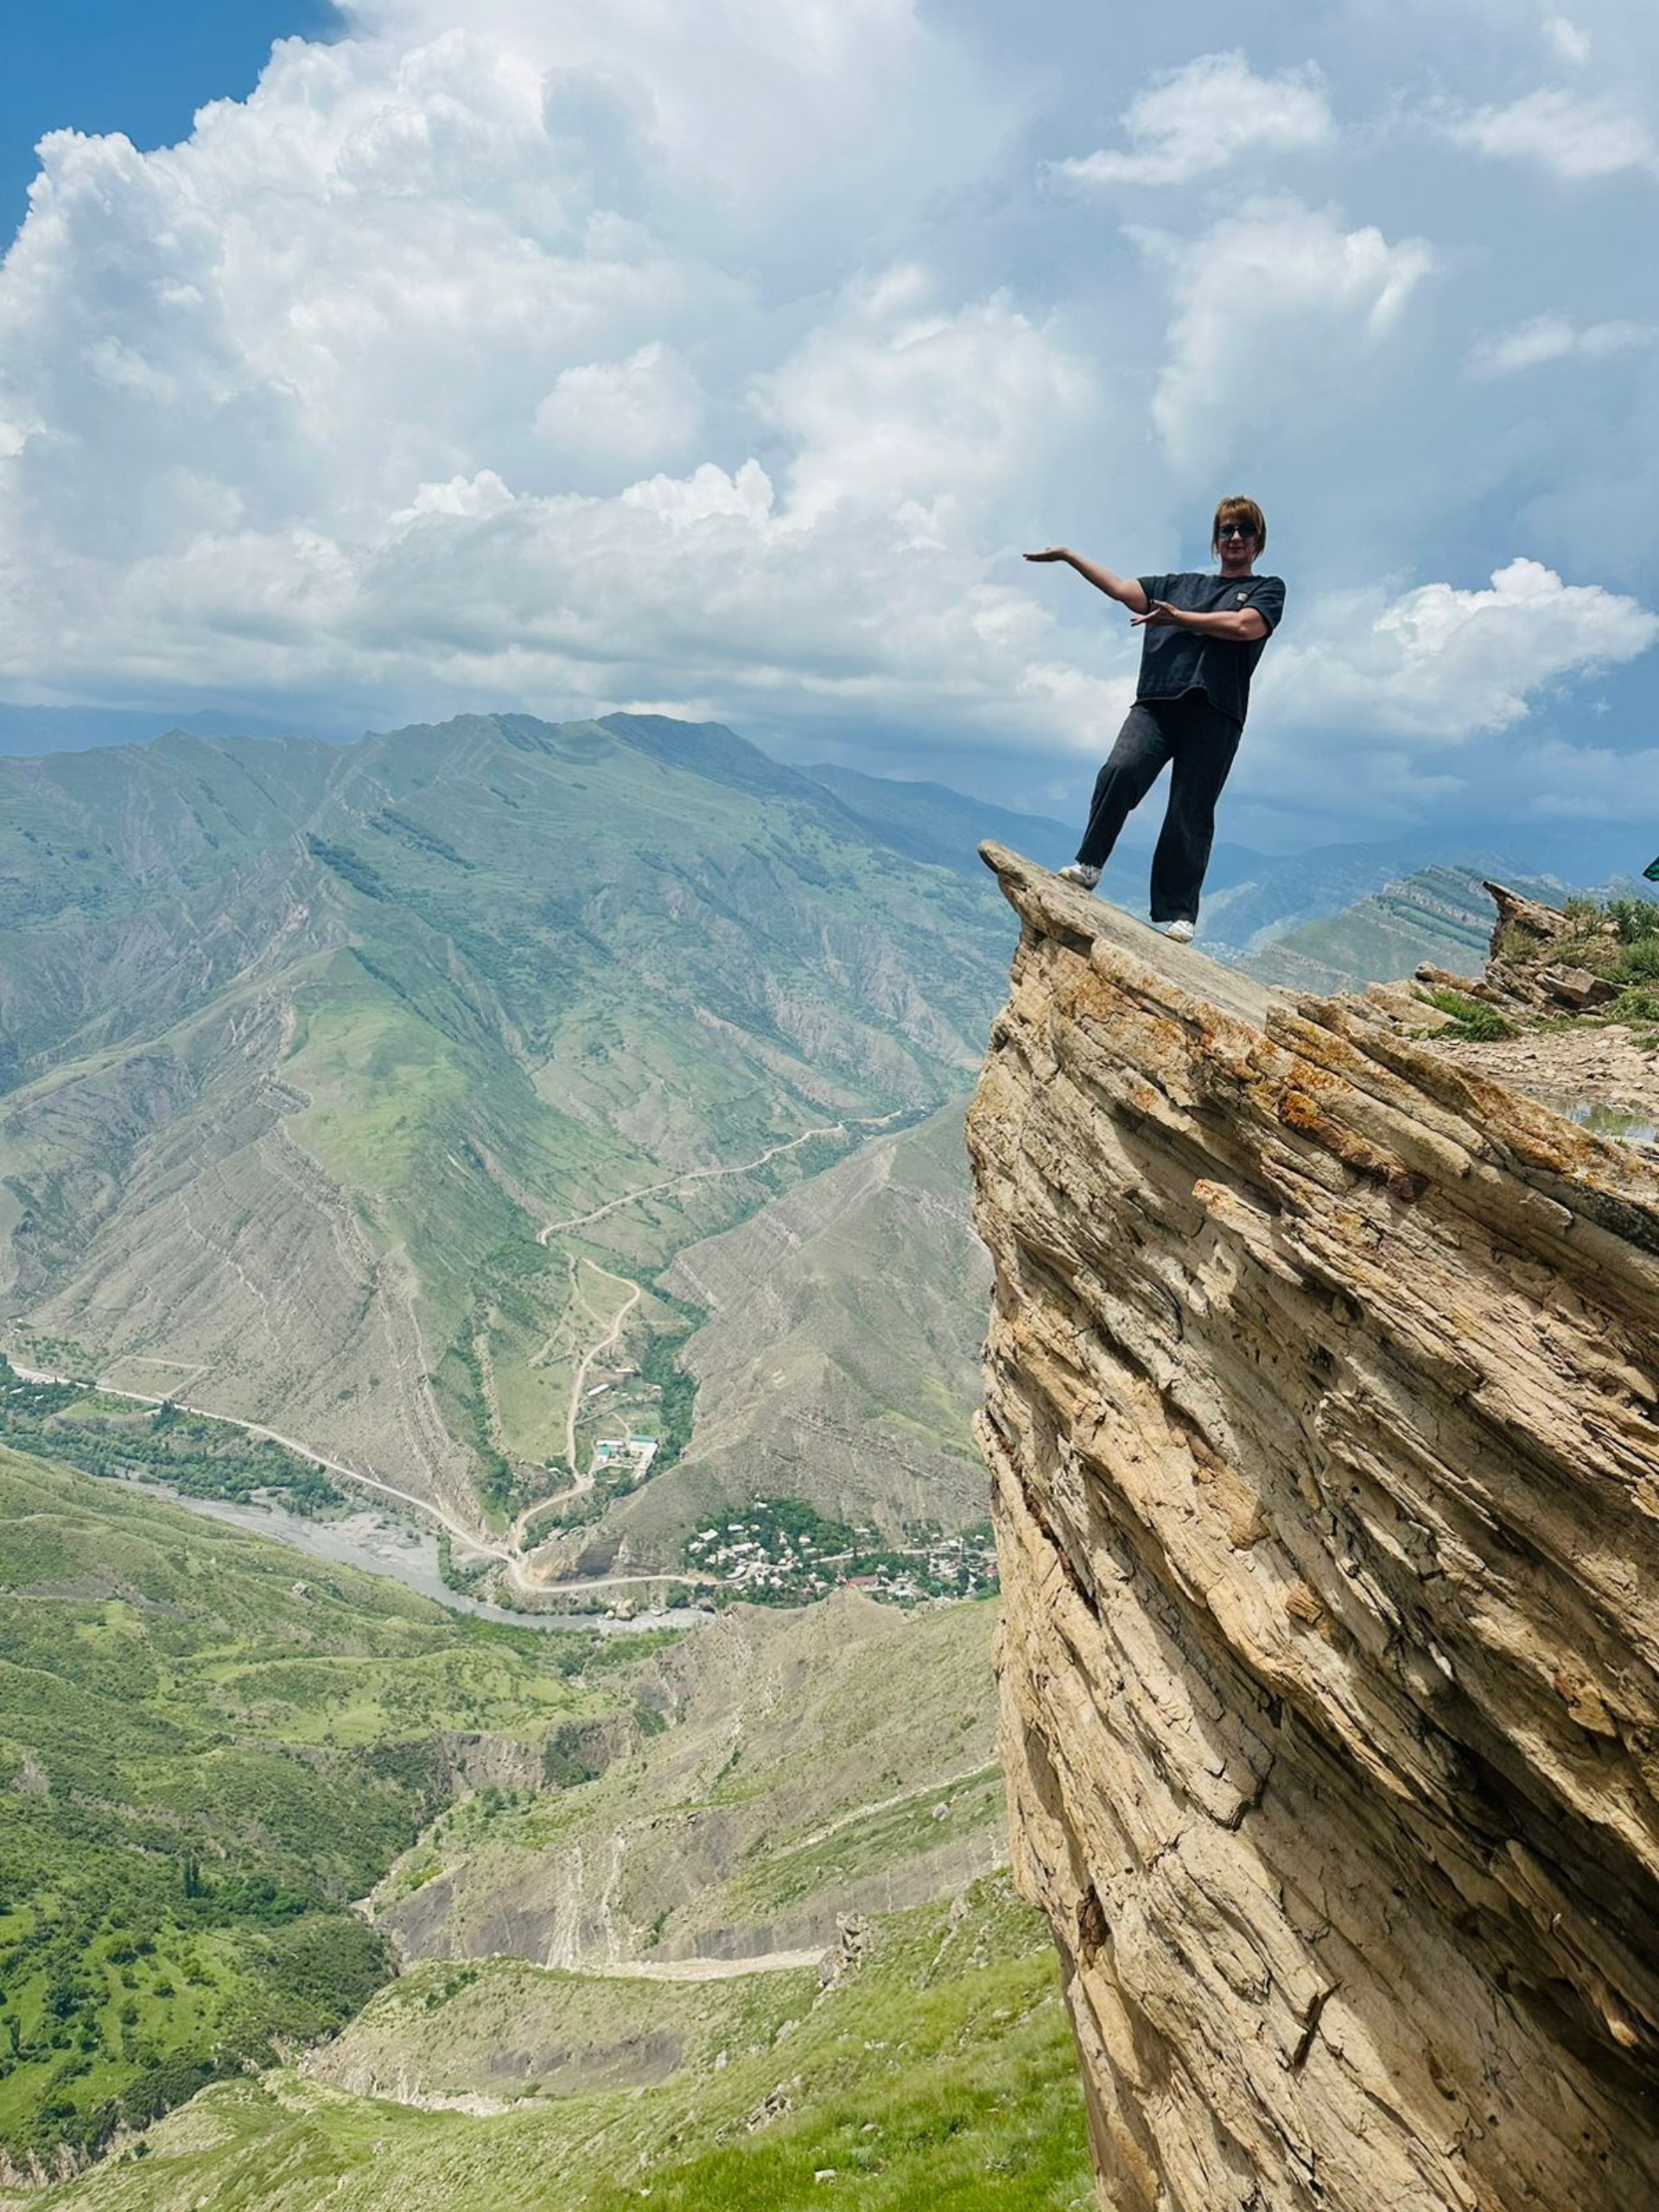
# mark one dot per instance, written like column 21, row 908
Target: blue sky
column 604, row 352
column 106, row 65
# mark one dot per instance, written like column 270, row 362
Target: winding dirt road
column 288, row 1444
column 712, row 1174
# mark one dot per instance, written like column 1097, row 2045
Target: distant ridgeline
column 1336, row 920
column 367, row 1092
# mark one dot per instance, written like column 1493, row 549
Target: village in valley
column 771, row 1551
column 780, row 1552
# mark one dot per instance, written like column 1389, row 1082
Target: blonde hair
column 1244, row 511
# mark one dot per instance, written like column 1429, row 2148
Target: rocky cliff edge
column 1323, row 1418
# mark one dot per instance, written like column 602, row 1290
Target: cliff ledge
column 1323, row 1418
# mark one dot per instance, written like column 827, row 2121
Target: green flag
column 1651, row 871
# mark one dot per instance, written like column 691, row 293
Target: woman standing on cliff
column 1202, row 635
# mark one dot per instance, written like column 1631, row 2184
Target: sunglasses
column 1234, row 530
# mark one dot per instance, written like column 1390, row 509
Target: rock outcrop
column 1323, row 1416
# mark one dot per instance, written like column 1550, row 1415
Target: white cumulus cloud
column 763, row 124
column 897, row 404
column 449, row 364
column 1575, row 138
column 1552, row 338
column 623, row 414
column 1197, row 119
column 1445, row 664
column 569, row 353
column 1280, row 314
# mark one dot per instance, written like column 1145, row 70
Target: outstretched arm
column 1126, row 590
column 1240, row 626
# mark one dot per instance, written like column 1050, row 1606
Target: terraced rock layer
column 1322, row 1392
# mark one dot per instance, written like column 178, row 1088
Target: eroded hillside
column 365, row 1091
column 1323, row 1413
column 796, row 1768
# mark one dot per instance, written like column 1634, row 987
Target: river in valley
column 376, row 1544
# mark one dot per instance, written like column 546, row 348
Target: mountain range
column 389, row 1094
column 360, row 1090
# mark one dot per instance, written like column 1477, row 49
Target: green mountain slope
column 202, row 1760
column 1438, row 914
column 840, row 1358
column 308, row 1044
column 835, row 1355
column 1251, row 902
column 206, row 1759
column 939, row 2071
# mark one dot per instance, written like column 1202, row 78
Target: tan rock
column 1321, row 1391
column 1576, row 987
column 1526, row 920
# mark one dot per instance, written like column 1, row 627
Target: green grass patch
column 942, row 2073
column 202, row 1760
column 110, row 1436
column 891, row 1837
column 1636, row 920
column 1481, row 1024
column 1639, row 1004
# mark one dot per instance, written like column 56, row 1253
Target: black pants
column 1199, row 742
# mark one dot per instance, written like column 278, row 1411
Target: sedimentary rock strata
column 1322, row 1416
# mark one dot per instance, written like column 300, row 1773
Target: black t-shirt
column 1174, row 659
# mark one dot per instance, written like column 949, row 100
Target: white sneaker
column 1079, row 872
column 1181, row 931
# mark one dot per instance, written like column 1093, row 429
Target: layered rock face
column 1323, row 1416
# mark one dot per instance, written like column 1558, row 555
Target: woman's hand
column 1053, row 553
column 1159, row 610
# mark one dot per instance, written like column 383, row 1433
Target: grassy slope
column 170, row 1699
column 941, row 2074
column 681, row 1000
column 801, row 1777
column 203, row 1761
column 840, row 1357
column 136, row 882
column 1255, row 902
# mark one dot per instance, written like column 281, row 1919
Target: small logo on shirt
column 1244, row 595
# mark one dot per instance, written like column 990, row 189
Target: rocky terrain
column 1322, row 1416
